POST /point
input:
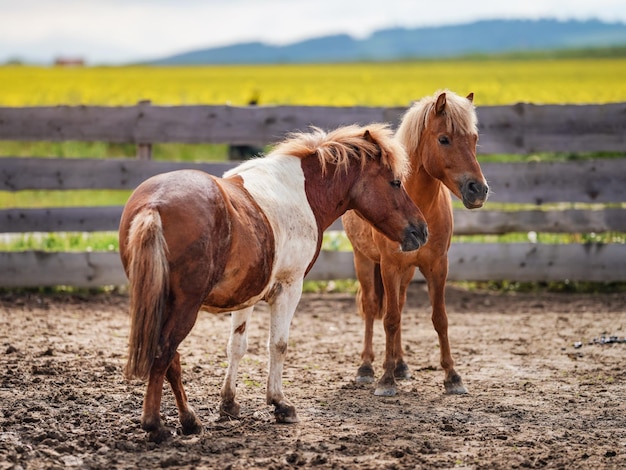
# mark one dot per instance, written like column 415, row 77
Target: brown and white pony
column 440, row 135
column 191, row 241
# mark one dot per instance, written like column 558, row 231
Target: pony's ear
column 470, row 97
column 368, row 136
column 440, row 106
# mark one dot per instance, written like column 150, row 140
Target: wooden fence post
column 144, row 150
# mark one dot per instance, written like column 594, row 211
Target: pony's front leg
column 283, row 306
column 369, row 302
column 436, row 279
column 391, row 278
column 401, row 371
column 237, row 347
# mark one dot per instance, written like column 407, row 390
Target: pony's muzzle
column 415, row 235
column 474, row 193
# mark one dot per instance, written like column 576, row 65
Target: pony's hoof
column 160, row 435
column 401, row 372
column 386, row 387
column 229, row 410
column 454, row 385
column 365, row 374
column 385, row 391
column 191, row 425
column 285, row 414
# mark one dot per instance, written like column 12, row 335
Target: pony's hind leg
column 188, row 419
column 436, row 278
column 151, row 413
column 180, row 320
column 237, row 347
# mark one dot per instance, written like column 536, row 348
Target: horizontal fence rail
column 550, row 188
column 521, row 128
column 468, row 262
column 592, row 181
column 535, row 182
column 477, row 222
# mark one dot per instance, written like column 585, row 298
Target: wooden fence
column 599, row 184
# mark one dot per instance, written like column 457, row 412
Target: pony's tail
column 148, row 274
column 379, row 291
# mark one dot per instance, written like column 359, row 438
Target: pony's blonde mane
column 341, row 145
column 460, row 117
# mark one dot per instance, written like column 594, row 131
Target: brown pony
column 440, row 135
column 189, row 240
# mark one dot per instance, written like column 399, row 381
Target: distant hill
column 481, row 37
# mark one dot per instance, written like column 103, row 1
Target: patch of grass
column 249, row 382
column 62, row 291
column 546, row 157
column 328, row 287
column 70, row 198
column 75, row 149
column 571, row 287
column 543, row 237
column 62, row 241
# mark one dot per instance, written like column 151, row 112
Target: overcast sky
column 118, row 31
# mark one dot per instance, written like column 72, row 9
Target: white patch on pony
column 276, row 183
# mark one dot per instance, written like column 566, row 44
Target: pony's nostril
column 476, row 188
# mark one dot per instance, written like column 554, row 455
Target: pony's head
column 440, row 135
column 363, row 168
column 379, row 195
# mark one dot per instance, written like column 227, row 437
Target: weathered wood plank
column 484, row 221
column 39, row 269
column 598, row 180
column 64, row 173
column 61, row 219
column 537, row 262
column 259, row 125
column 521, row 128
column 468, row 262
column 525, row 128
column 187, row 124
column 332, row 265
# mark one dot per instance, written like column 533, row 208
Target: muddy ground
column 537, row 398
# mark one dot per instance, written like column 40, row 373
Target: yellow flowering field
column 369, row 84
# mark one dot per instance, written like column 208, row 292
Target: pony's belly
column 210, row 306
column 241, row 286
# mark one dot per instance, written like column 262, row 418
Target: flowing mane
column 341, row 145
column 460, row 117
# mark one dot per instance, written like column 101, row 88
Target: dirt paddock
column 537, row 399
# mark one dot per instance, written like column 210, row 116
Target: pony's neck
column 423, row 188
column 327, row 194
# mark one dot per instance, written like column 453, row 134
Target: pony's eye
column 444, row 140
column 396, row 183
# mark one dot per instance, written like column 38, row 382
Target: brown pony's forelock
column 341, row 145
column 460, row 117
